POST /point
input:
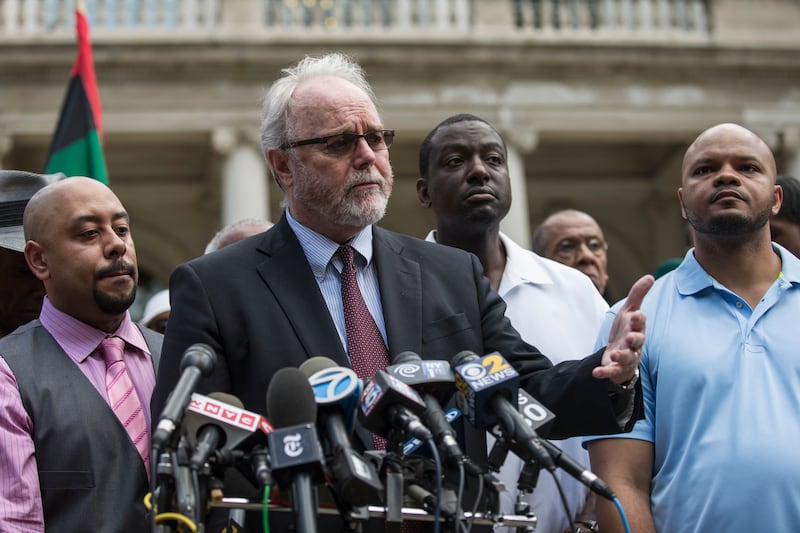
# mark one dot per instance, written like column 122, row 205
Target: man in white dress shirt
column 464, row 179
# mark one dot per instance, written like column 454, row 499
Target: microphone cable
column 477, row 504
column 163, row 517
column 564, row 502
column 265, row 509
column 622, row 516
column 437, row 463
column 459, row 497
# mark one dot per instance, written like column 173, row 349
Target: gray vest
column 91, row 475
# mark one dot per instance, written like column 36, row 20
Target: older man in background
column 575, row 239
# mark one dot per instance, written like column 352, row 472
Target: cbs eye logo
column 472, row 371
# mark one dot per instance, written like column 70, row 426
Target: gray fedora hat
column 16, row 188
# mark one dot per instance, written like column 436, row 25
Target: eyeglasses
column 343, row 144
column 567, row 249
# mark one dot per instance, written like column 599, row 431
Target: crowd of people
column 665, row 389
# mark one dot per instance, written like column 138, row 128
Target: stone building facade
column 597, row 99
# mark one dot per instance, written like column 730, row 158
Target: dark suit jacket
column 257, row 304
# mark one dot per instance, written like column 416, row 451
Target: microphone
column 294, row 447
column 388, row 403
column 490, row 386
column 576, row 470
column 198, row 360
column 337, row 390
column 259, row 461
column 217, row 421
column 435, row 382
column 535, row 415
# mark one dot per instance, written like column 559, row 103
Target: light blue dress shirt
column 327, row 268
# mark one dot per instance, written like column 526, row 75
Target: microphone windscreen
column 406, row 357
column 290, row 399
column 463, row 357
column 200, row 356
column 315, row 364
column 230, row 399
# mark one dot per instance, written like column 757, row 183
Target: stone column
column 791, row 152
column 6, row 144
column 244, row 182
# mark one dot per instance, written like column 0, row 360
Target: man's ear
column 778, row 200
column 680, row 201
column 36, row 258
column 422, row 192
column 279, row 161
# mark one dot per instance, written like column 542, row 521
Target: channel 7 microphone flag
column 76, row 148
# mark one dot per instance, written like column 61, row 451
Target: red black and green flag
column 76, row 148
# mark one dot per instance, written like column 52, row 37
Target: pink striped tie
column 123, row 399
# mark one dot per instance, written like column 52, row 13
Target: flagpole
column 76, row 148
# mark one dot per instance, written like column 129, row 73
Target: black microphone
column 259, row 461
column 388, row 403
column 576, row 470
column 337, row 391
column 435, row 382
column 294, row 447
column 490, row 386
column 535, row 414
column 223, row 431
column 198, row 360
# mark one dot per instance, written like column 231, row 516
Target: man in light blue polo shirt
column 720, row 369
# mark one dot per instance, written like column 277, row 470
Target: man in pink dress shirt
column 66, row 461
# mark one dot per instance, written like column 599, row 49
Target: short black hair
column 427, row 146
column 790, row 208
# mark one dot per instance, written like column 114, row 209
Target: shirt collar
column 319, row 249
column 79, row 339
column 691, row 278
column 521, row 265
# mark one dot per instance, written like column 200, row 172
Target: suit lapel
column 288, row 276
column 400, row 285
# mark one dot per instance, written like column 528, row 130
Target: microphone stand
column 392, row 472
column 528, row 477
column 162, row 490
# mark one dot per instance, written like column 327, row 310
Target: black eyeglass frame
column 387, row 138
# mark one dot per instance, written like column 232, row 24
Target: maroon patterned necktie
column 122, row 397
column 366, row 348
column 365, row 345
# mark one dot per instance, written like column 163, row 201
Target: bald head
column 236, row 232
column 46, row 207
column 575, row 239
column 728, row 136
column 80, row 246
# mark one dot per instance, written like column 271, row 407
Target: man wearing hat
column 20, row 292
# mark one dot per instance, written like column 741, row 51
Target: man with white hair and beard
column 720, row 367
column 326, row 281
